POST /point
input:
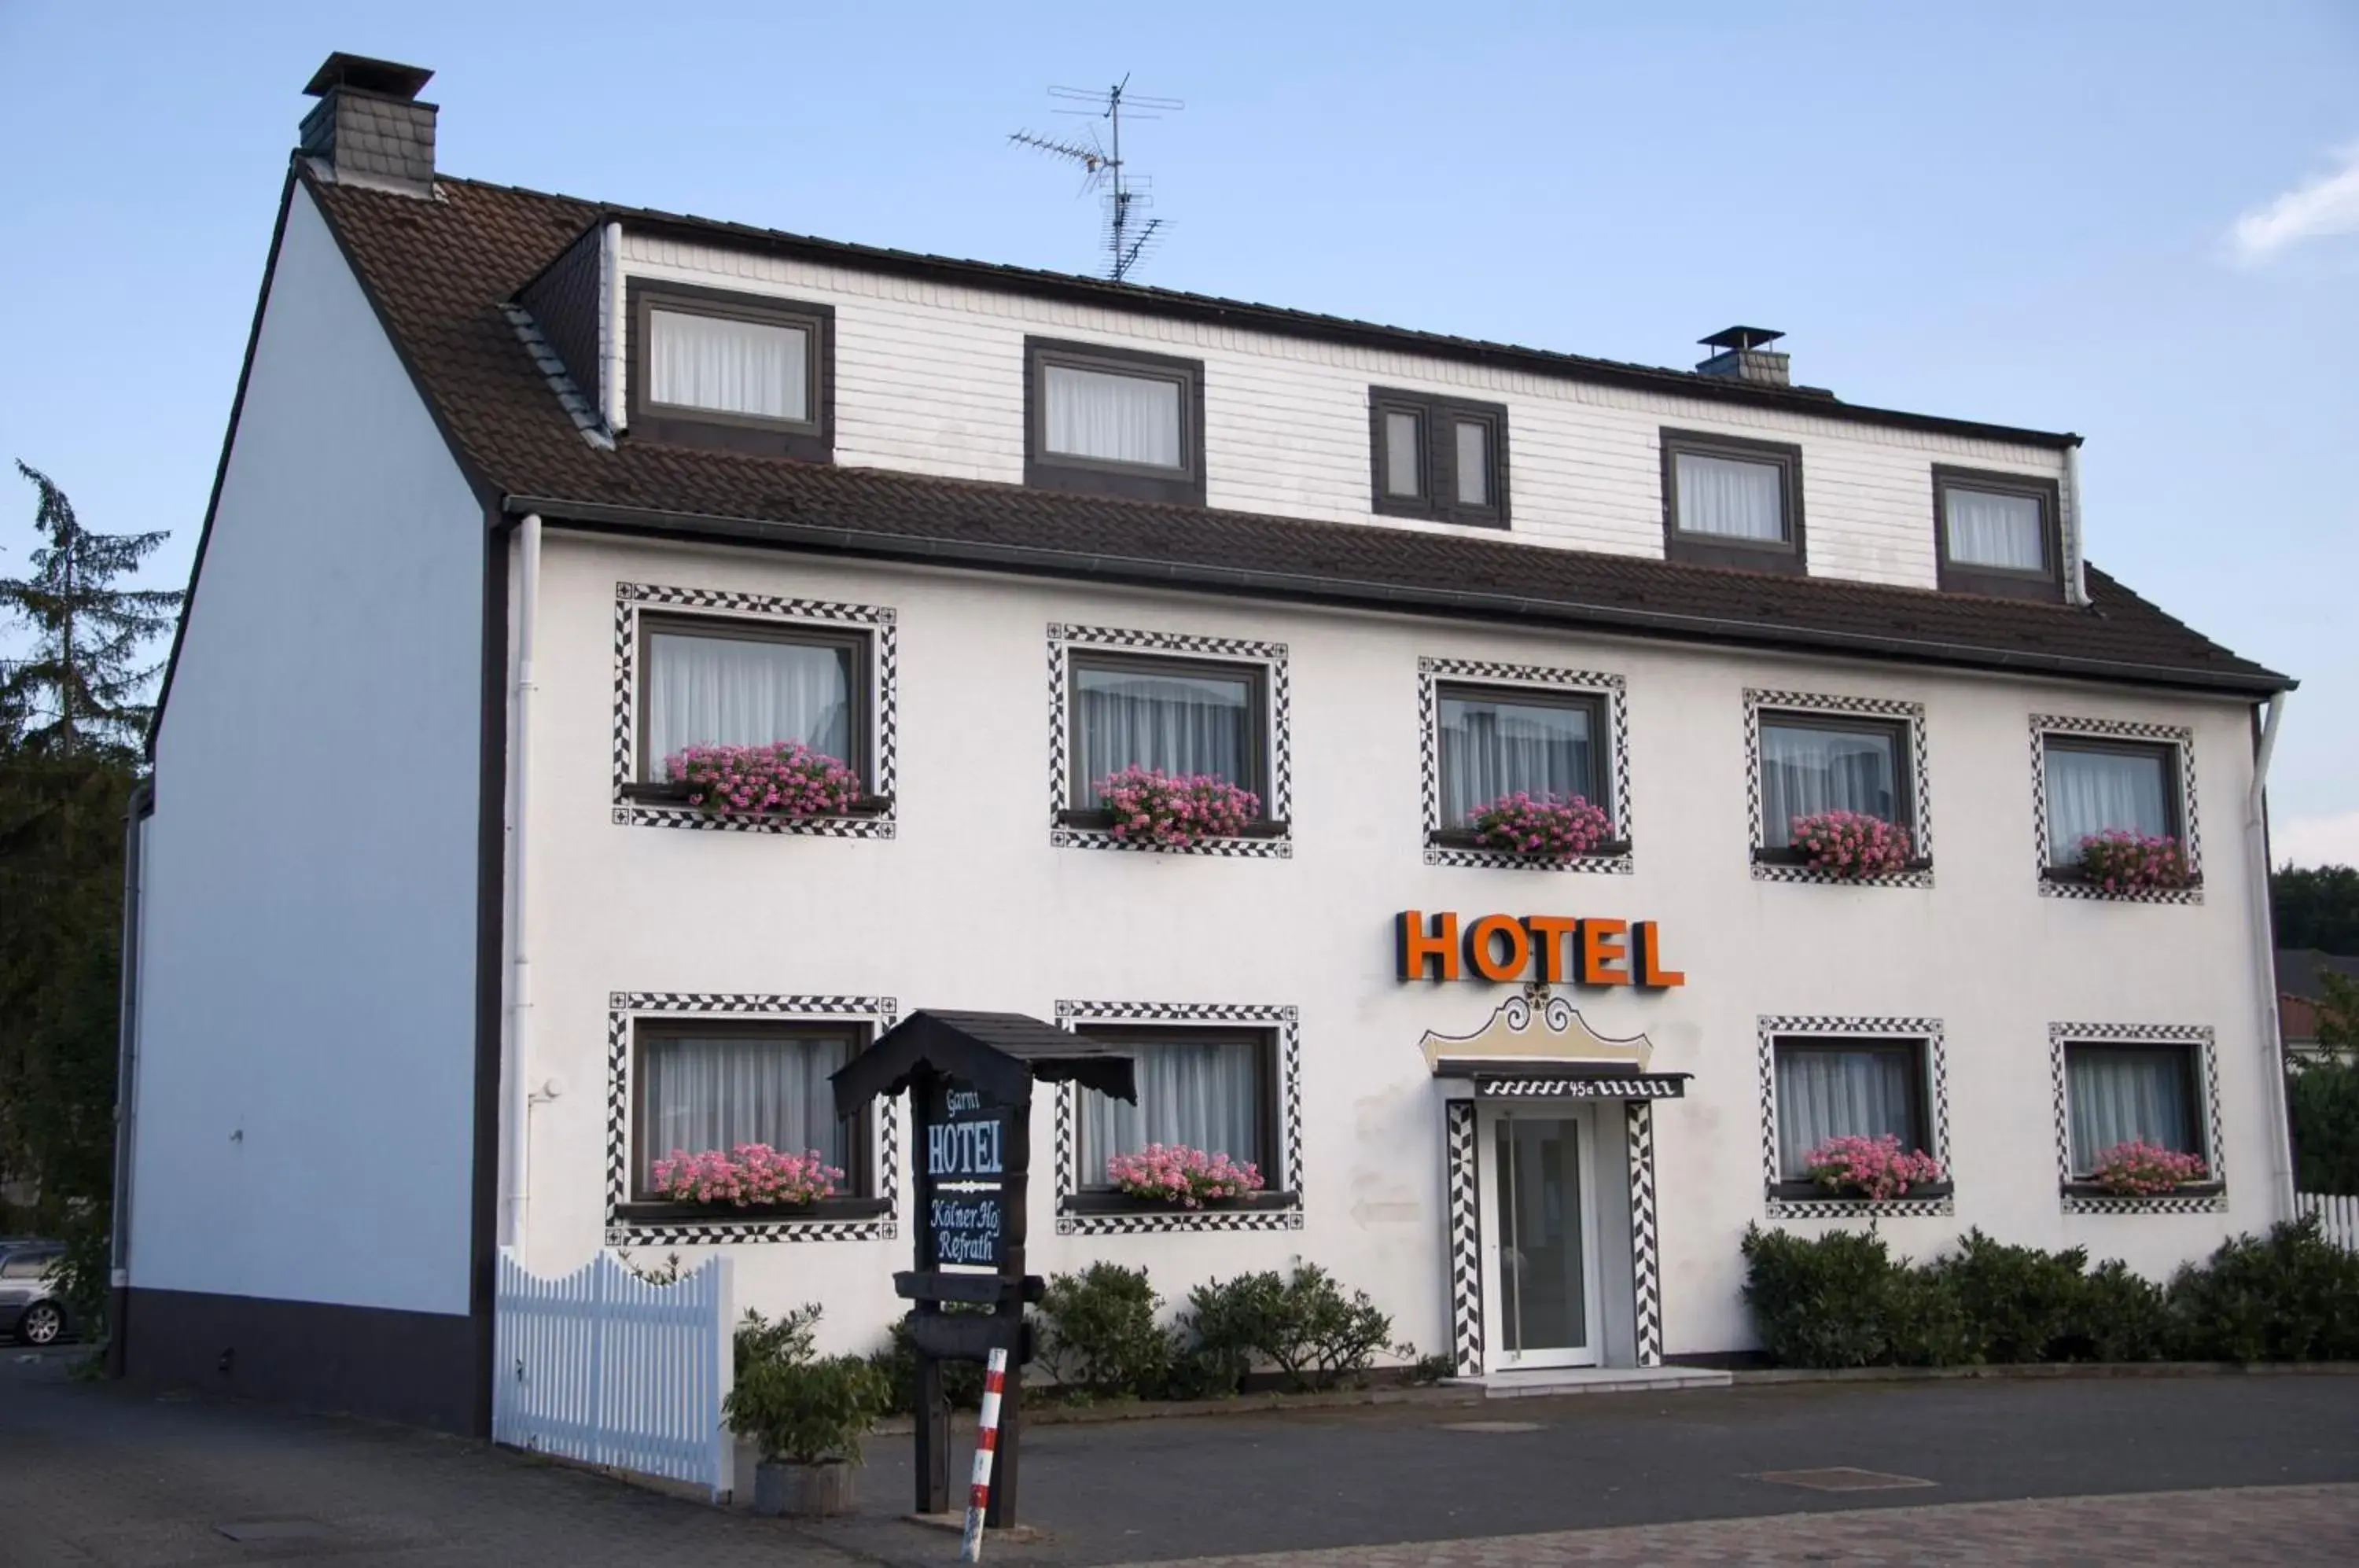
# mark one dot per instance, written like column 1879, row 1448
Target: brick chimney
column 368, row 127
column 1744, row 356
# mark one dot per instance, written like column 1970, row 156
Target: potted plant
column 2119, row 861
column 1174, row 1173
column 1876, row 1169
column 1172, row 810
column 752, row 1175
column 782, row 777
column 806, row 1417
column 1540, row 827
column 2141, row 1170
column 1851, row 844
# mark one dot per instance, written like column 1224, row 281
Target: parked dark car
column 30, row 1308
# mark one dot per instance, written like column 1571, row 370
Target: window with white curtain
column 739, row 371
column 1442, row 458
column 756, row 368
column 716, row 1085
column 1988, row 527
column 2130, row 1094
column 1812, row 763
column 1198, row 1088
column 1109, row 418
column 1731, row 497
column 1175, row 716
column 1845, row 1088
column 1493, row 742
column 720, row 683
column 1732, row 501
column 1998, row 533
column 1113, row 421
column 2096, row 786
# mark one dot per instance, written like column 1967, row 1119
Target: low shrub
column 2290, row 1295
column 807, row 1411
column 1100, row 1337
column 2121, row 1316
column 1823, row 1302
column 2019, row 1303
column 789, row 1338
column 1306, row 1326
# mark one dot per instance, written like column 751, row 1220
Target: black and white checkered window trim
column 1910, row 715
column 2177, row 736
column 1271, row 656
column 878, row 774
column 625, row 1009
column 2196, row 1036
column 1611, row 691
column 1282, row 1019
column 1926, row 1032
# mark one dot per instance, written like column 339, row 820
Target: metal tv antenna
column 1129, row 238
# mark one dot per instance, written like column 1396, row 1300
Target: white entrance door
column 1537, row 1180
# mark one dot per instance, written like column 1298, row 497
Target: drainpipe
column 2257, row 854
column 135, row 812
column 2078, row 539
column 519, row 1033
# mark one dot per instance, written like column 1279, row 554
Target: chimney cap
column 1738, row 339
column 385, row 76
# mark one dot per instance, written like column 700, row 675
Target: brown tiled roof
column 440, row 271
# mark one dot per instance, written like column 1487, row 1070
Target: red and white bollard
column 987, row 1443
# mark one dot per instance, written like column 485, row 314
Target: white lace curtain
column 1729, row 496
column 697, row 1093
column 1840, row 1093
column 1806, row 769
column 1989, row 530
column 1473, row 464
column 1178, row 722
column 1203, row 1094
column 713, row 690
column 2090, row 791
column 1492, row 748
column 1113, row 418
column 1403, row 453
column 737, row 367
column 2120, row 1096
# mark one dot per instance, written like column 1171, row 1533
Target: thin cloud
column 2326, row 205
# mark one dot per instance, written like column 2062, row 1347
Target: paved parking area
column 2136, row 1471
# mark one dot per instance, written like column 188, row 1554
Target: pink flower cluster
column 1545, row 827
column 2119, row 861
column 1872, row 1168
column 750, row 1175
column 2142, row 1169
column 1173, row 810
column 785, row 777
column 1183, row 1175
column 1852, row 843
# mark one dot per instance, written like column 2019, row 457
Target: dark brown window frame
column 2190, row 1068
column 1915, row 1051
column 1268, row 1129
column 859, row 1166
column 1999, row 581
column 811, row 439
column 1257, row 674
column 1904, row 762
column 1044, row 470
column 2174, row 798
column 1438, row 460
column 1791, row 555
column 864, row 697
column 1601, row 782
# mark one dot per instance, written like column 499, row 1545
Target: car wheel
column 42, row 1323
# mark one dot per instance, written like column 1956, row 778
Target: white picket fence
column 2338, row 1215
column 608, row 1368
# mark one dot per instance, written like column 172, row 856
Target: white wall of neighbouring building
column 969, row 906
column 308, row 1033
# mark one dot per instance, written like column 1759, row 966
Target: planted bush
column 784, row 777
column 2142, row 1169
column 1099, row 1334
column 1823, row 1302
column 2018, row 1303
column 1306, row 1326
column 2290, row 1295
column 1876, row 1169
column 1189, row 1177
column 1851, row 844
column 752, row 1175
column 2120, row 861
column 1173, row 810
column 1540, row 827
column 797, row 1407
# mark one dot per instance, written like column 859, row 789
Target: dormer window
column 745, row 372
column 1728, row 501
column 1110, row 421
column 1998, row 533
column 1442, row 458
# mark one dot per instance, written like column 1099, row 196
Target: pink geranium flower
column 2119, row 861
column 782, row 777
column 1189, row 1175
column 752, row 1175
column 1872, row 1168
column 1540, row 827
column 2140, row 1170
column 1852, row 843
column 1169, row 810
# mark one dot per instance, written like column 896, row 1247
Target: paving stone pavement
column 2290, row 1525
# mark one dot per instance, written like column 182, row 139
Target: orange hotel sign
column 1552, row 948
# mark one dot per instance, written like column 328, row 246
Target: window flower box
column 670, row 794
column 1101, row 821
column 663, row 1211
column 1174, row 1173
column 2120, row 863
column 1812, row 1193
column 1468, row 838
column 1109, row 1201
column 1788, row 856
column 780, row 779
column 1851, row 845
column 2145, row 1171
column 1540, row 827
column 752, row 1176
column 1148, row 807
column 1874, row 1169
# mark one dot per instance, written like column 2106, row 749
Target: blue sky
column 2138, row 221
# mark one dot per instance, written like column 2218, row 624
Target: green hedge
column 1842, row 1300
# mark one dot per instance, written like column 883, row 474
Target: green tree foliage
column 2322, row 1095
column 2317, row 907
column 70, row 719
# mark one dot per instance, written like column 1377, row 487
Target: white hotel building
column 522, row 493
